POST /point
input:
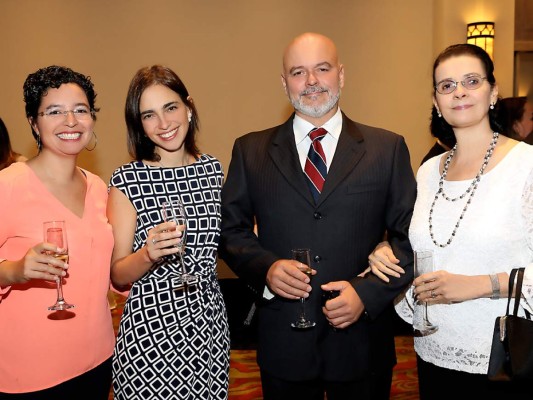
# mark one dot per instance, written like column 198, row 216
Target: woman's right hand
column 35, row 264
column 383, row 261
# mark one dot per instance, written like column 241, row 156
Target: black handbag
column 511, row 355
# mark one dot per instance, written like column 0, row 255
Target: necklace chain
column 469, row 191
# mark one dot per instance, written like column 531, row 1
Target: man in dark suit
column 369, row 192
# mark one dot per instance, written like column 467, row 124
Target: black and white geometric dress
column 174, row 344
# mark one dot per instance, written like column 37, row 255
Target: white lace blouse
column 495, row 235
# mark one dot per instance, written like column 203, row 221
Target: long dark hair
column 438, row 125
column 140, row 146
column 7, row 156
column 511, row 110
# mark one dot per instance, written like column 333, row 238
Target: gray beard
column 316, row 111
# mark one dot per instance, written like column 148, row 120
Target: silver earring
column 491, row 106
column 189, row 116
column 438, row 113
column 95, row 142
column 39, row 143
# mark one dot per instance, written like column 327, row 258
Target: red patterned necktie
column 315, row 165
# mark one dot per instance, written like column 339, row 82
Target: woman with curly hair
column 49, row 354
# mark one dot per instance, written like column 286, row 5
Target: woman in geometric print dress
column 173, row 343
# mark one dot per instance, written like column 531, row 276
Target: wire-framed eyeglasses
column 448, row 86
column 80, row 113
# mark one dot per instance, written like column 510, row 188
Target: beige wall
column 229, row 55
column 451, row 18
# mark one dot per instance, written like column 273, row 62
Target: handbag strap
column 512, row 277
column 519, row 274
column 518, row 290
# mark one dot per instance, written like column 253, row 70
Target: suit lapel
column 283, row 152
column 348, row 153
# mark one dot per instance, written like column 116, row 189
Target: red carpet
column 245, row 383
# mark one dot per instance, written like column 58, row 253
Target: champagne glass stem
column 303, row 257
column 60, row 291
column 183, row 267
column 303, row 317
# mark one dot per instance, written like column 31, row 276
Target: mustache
column 314, row 89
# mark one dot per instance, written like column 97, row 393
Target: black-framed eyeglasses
column 80, row 113
column 448, row 86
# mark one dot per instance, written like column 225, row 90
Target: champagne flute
column 421, row 324
column 175, row 211
column 304, row 257
column 55, row 232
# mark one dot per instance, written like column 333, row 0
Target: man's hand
column 345, row 309
column 286, row 279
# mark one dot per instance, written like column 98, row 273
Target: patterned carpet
column 245, row 383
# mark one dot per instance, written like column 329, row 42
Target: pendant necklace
column 470, row 191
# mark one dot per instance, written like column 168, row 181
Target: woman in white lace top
column 474, row 209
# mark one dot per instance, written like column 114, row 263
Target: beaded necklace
column 470, row 191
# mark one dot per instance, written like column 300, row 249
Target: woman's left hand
column 444, row 287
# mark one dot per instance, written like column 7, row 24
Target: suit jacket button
column 317, row 215
column 317, row 258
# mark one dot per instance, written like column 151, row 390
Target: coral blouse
column 40, row 348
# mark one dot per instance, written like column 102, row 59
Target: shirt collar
column 302, row 127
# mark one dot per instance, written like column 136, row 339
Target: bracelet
column 495, row 282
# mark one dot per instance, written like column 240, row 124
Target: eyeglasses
column 81, row 113
column 448, row 86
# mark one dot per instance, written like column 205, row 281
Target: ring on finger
column 433, row 294
column 154, row 241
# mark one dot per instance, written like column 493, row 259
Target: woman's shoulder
column 525, row 147
column 14, row 172
column 430, row 166
column 208, row 158
column 20, row 158
column 128, row 168
column 15, row 180
column 522, row 155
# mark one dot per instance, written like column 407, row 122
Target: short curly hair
column 38, row 83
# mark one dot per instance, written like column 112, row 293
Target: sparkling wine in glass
column 55, row 232
column 304, row 257
column 421, row 324
column 174, row 210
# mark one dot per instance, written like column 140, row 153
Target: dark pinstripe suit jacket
column 370, row 190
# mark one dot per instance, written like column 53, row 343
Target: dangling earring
column 189, row 116
column 491, row 106
column 39, row 143
column 95, row 142
column 438, row 112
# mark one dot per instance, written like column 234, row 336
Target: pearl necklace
column 470, row 191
